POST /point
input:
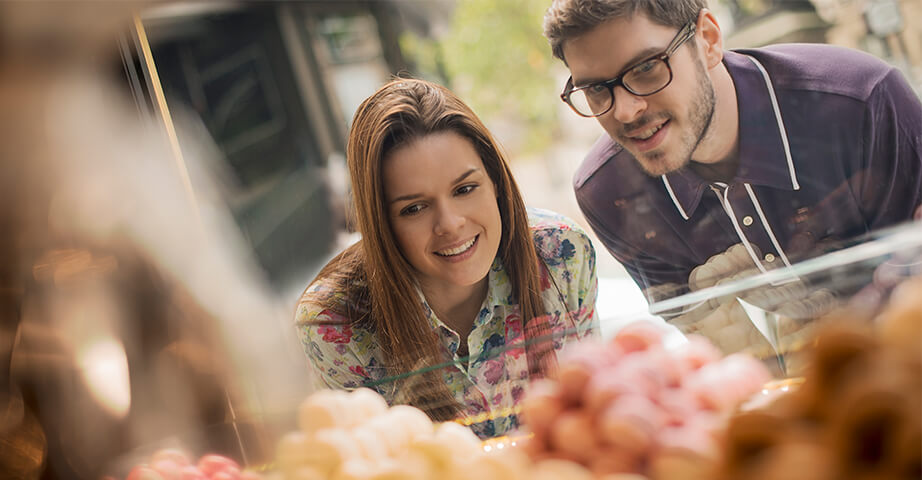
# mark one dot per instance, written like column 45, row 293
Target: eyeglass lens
column 644, row 79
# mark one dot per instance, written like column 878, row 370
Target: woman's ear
column 711, row 44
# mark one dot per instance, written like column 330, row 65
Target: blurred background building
column 275, row 85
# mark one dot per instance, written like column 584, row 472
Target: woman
column 455, row 296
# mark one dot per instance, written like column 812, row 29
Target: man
column 782, row 152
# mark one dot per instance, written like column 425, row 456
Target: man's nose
column 628, row 107
column 448, row 220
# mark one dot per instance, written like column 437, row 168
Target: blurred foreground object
column 857, row 415
column 171, row 464
column 356, row 435
column 129, row 316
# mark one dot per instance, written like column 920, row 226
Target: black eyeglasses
column 642, row 79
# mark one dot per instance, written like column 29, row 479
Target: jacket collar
column 764, row 151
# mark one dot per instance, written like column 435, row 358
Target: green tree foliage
column 496, row 58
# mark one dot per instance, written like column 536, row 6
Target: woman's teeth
column 457, row 250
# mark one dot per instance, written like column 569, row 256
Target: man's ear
column 711, row 43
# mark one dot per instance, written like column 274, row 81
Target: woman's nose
column 449, row 220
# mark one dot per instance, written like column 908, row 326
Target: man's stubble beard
column 700, row 117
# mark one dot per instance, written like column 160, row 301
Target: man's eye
column 645, row 67
column 596, row 88
column 465, row 189
column 411, row 210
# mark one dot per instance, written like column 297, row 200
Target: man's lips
column 645, row 132
column 648, row 138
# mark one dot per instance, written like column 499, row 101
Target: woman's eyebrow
column 466, row 174
column 414, row 196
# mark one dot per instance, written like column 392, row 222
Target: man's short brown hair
column 568, row 19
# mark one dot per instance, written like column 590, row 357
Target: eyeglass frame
column 683, row 35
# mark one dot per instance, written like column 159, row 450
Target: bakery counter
column 774, row 315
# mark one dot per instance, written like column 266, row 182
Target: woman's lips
column 462, row 255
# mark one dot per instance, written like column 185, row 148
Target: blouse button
column 747, row 220
column 769, row 258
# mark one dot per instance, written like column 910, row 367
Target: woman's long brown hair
column 378, row 282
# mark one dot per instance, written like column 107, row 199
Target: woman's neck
column 457, row 307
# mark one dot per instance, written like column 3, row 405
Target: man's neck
column 722, row 171
column 717, row 158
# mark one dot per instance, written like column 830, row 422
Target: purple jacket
column 830, row 149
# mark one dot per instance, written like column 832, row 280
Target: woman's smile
column 461, row 252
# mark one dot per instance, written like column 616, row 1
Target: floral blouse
column 494, row 379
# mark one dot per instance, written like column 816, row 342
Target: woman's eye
column 464, row 190
column 411, row 210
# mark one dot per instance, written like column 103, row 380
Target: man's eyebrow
column 644, row 54
column 414, row 196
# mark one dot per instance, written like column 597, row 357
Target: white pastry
column 364, row 404
column 291, row 451
column 323, row 409
column 553, row 469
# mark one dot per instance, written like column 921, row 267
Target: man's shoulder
column 821, row 68
column 609, row 170
column 605, row 153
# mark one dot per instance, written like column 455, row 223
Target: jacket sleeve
column 890, row 190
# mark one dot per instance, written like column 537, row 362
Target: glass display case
column 772, row 316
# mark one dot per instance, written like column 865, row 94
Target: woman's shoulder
column 318, row 303
column 325, row 314
column 540, row 219
column 557, row 237
column 338, row 295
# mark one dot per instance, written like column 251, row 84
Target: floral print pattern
column 495, row 376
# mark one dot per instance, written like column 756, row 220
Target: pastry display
column 356, row 436
column 631, row 406
column 353, row 435
column 858, row 413
column 632, row 409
